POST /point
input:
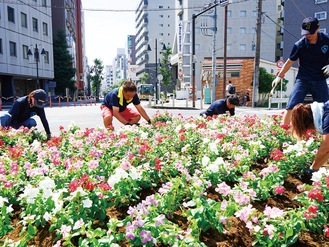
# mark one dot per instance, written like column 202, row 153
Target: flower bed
column 183, row 182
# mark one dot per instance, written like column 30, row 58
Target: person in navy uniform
column 115, row 105
column 222, row 106
column 312, row 53
column 22, row 111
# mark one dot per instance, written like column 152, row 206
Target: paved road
column 90, row 116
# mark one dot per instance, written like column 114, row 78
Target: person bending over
column 314, row 116
column 222, row 106
column 24, row 108
column 115, row 105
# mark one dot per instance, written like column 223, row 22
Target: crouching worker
column 115, row 105
column 315, row 116
column 24, row 108
column 222, row 106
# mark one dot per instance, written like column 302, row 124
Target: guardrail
column 272, row 100
column 88, row 100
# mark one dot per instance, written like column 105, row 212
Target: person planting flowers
column 115, row 105
column 24, row 108
column 314, row 116
column 222, row 106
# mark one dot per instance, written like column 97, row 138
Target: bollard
column 0, row 103
column 80, row 100
column 50, row 103
column 91, row 100
column 95, row 100
column 74, row 101
column 59, row 101
column 86, row 101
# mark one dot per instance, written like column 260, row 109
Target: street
column 89, row 116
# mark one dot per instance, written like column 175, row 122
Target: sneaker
column 309, row 171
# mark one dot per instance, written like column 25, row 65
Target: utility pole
column 213, row 79
column 257, row 55
column 225, row 52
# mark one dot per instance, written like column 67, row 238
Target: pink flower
column 223, row 189
column 279, row 190
column 273, row 212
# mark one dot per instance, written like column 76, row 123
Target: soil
column 238, row 235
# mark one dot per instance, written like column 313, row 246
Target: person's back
column 222, row 106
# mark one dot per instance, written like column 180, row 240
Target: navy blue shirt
column 21, row 111
column 312, row 57
column 218, row 107
column 112, row 99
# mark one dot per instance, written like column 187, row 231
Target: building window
column 229, row 13
column 35, row 24
column 321, row 15
column 160, row 7
column 1, row 52
column 44, row 3
column 46, row 57
column 323, row 30
column 229, row 30
column 45, row 28
column 12, row 49
column 243, row 13
column 229, row 47
column 255, row 13
column 320, row 1
column 11, row 14
column 23, row 20
column 242, row 47
column 161, row 16
column 25, row 51
column 243, row 30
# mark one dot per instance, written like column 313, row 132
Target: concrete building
column 26, row 45
column 155, row 27
column 68, row 16
column 292, row 16
column 119, row 65
column 240, row 40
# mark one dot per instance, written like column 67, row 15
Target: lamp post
column 156, row 83
column 37, row 59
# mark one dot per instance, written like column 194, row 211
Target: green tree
column 63, row 65
column 96, row 76
column 265, row 84
column 165, row 69
column 144, row 78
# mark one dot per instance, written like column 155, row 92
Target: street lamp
column 37, row 59
column 156, row 83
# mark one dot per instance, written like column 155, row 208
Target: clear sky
column 107, row 24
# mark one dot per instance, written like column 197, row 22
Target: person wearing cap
column 312, row 53
column 24, row 108
column 115, row 105
column 222, row 106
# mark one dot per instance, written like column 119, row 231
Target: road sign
column 223, row 3
column 280, row 63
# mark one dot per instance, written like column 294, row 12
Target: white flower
column 2, row 201
column 134, row 173
column 205, row 160
column 87, row 203
column 47, row 216
column 9, row 209
column 78, row 224
column 316, row 176
column 213, row 148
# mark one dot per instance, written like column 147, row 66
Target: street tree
column 144, row 78
column 165, row 69
column 64, row 71
column 96, row 77
column 265, row 84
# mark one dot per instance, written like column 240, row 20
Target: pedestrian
column 230, row 88
column 246, row 98
column 314, row 116
column 222, row 106
column 312, row 54
column 24, row 108
column 115, row 105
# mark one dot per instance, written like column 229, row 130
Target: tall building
column 155, row 27
column 239, row 31
column 67, row 16
column 26, row 45
column 119, row 65
column 292, row 16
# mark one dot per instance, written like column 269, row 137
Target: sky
column 107, row 24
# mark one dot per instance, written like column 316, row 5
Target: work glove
column 149, row 122
column 276, row 81
column 48, row 136
column 326, row 70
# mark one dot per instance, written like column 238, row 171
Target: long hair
column 301, row 120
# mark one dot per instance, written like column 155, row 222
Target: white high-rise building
column 155, row 27
column 26, row 47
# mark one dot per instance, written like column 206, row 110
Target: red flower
column 326, row 231
column 276, row 154
column 157, row 164
column 313, row 209
column 316, row 194
column 327, row 182
column 74, row 185
column 90, row 185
